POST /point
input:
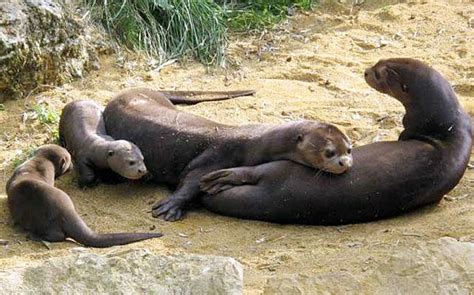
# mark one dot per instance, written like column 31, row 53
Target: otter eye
column 404, row 88
column 132, row 163
column 329, row 153
column 349, row 150
column 377, row 75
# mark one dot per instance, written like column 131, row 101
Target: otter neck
column 436, row 116
column 101, row 154
column 44, row 168
column 276, row 143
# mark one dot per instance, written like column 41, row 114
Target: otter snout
column 345, row 162
column 142, row 170
column 367, row 73
column 339, row 165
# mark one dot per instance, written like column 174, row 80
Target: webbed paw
column 219, row 181
column 170, row 208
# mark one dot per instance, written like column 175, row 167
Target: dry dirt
column 312, row 68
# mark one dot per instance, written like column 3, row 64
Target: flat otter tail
column 78, row 230
column 194, row 97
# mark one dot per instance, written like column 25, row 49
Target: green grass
column 48, row 118
column 45, row 115
column 166, row 29
column 251, row 16
column 22, row 156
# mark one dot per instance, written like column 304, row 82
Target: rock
column 444, row 266
column 126, row 272
column 330, row 283
column 41, row 42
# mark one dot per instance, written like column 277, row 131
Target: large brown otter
column 389, row 178
column 82, row 133
column 47, row 211
column 180, row 147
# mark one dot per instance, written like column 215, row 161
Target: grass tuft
column 22, row 156
column 166, row 29
column 48, row 118
column 250, row 15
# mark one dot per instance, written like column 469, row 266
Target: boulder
column 41, row 42
column 128, row 272
column 443, row 266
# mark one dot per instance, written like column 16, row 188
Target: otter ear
column 299, row 138
column 404, row 88
column 110, row 153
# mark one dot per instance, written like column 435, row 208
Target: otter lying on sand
column 179, row 148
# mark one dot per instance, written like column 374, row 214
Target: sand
column 310, row 68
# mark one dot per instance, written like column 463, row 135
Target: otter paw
column 169, row 208
column 218, row 181
column 88, row 183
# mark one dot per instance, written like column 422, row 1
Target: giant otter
column 179, row 148
column 387, row 179
column 48, row 212
column 82, row 133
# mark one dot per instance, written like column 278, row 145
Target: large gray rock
column 444, row 266
column 129, row 272
column 41, row 42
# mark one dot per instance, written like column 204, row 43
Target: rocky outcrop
column 41, row 42
column 126, row 272
column 444, row 266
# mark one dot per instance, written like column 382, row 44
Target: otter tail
column 194, row 97
column 78, row 230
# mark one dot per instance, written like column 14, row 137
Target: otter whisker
column 313, row 145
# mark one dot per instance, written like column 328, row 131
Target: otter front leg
column 87, row 176
column 224, row 179
column 172, row 208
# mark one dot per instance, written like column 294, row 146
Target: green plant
column 23, row 155
column 166, row 29
column 45, row 115
column 48, row 118
column 248, row 15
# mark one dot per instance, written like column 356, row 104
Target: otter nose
column 366, row 73
column 345, row 162
column 142, row 171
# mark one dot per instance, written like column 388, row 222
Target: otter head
column 126, row 159
column 430, row 102
column 59, row 156
column 403, row 79
column 325, row 147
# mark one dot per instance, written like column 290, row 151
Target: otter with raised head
column 179, row 148
column 82, row 133
column 48, row 212
column 389, row 178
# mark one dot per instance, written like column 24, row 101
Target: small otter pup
column 82, row 133
column 47, row 211
column 180, row 148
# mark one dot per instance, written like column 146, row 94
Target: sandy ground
column 310, row 69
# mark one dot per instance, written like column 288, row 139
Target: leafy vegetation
column 48, row 118
column 23, row 155
column 166, row 29
column 249, row 15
